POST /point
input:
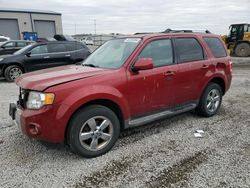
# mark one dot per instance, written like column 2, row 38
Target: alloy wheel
column 15, row 73
column 213, row 100
column 96, row 133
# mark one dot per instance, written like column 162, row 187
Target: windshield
column 112, row 54
column 22, row 50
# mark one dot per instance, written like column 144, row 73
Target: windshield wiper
column 90, row 65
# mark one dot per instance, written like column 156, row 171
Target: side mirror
column 28, row 54
column 143, row 64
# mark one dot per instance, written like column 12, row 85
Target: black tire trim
column 6, row 72
column 202, row 109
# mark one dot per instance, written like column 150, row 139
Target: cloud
column 129, row 16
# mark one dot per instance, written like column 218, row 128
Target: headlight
column 37, row 100
column 1, row 59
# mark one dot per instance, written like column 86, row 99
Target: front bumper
column 44, row 124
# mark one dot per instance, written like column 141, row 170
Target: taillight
column 231, row 66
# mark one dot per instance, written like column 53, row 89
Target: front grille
column 23, row 97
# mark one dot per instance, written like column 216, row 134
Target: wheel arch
column 14, row 63
column 218, row 80
column 112, row 105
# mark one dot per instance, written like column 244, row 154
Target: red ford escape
column 126, row 82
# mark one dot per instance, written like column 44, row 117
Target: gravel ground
column 162, row 154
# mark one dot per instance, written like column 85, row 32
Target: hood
column 41, row 80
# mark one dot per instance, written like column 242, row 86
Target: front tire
column 210, row 101
column 93, row 131
column 12, row 72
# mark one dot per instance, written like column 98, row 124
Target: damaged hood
column 41, row 80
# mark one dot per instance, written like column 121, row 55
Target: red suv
column 126, row 82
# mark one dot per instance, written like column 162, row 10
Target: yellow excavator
column 238, row 40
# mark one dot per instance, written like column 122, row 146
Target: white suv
column 3, row 39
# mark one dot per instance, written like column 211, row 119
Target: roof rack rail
column 144, row 33
column 185, row 31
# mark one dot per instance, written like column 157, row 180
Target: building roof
column 29, row 11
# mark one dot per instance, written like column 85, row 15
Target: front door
column 39, row 58
column 153, row 90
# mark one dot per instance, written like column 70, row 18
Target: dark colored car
column 12, row 46
column 41, row 56
column 125, row 83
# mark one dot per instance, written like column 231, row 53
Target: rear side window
column 160, row 51
column 216, row 46
column 54, row 48
column 188, row 49
column 70, row 46
column 21, row 44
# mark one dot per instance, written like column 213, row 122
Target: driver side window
column 42, row 49
column 160, row 51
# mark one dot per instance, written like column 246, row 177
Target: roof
column 16, row 10
column 241, row 24
column 57, row 42
column 150, row 35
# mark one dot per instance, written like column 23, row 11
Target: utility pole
column 95, row 25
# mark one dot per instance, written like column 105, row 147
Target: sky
column 130, row 16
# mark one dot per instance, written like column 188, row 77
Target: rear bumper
column 44, row 124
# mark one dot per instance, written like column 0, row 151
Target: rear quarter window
column 216, row 46
column 81, row 46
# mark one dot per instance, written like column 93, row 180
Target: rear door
column 193, row 66
column 59, row 55
column 153, row 90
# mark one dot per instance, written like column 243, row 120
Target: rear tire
column 210, row 101
column 242, row 50
column 93, row 131
column 12, row 72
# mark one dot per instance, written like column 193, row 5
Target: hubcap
column 15, row 73
column 96, row 133
column 213, row 100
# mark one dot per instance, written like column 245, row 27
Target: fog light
column 34, row 129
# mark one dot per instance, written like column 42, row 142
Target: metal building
column 13, row 22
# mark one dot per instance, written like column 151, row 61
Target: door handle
column 204, row 67
column 68, row 55
column 46, row 57
column 169, row 73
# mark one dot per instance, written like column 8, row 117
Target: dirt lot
column 162, row 154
